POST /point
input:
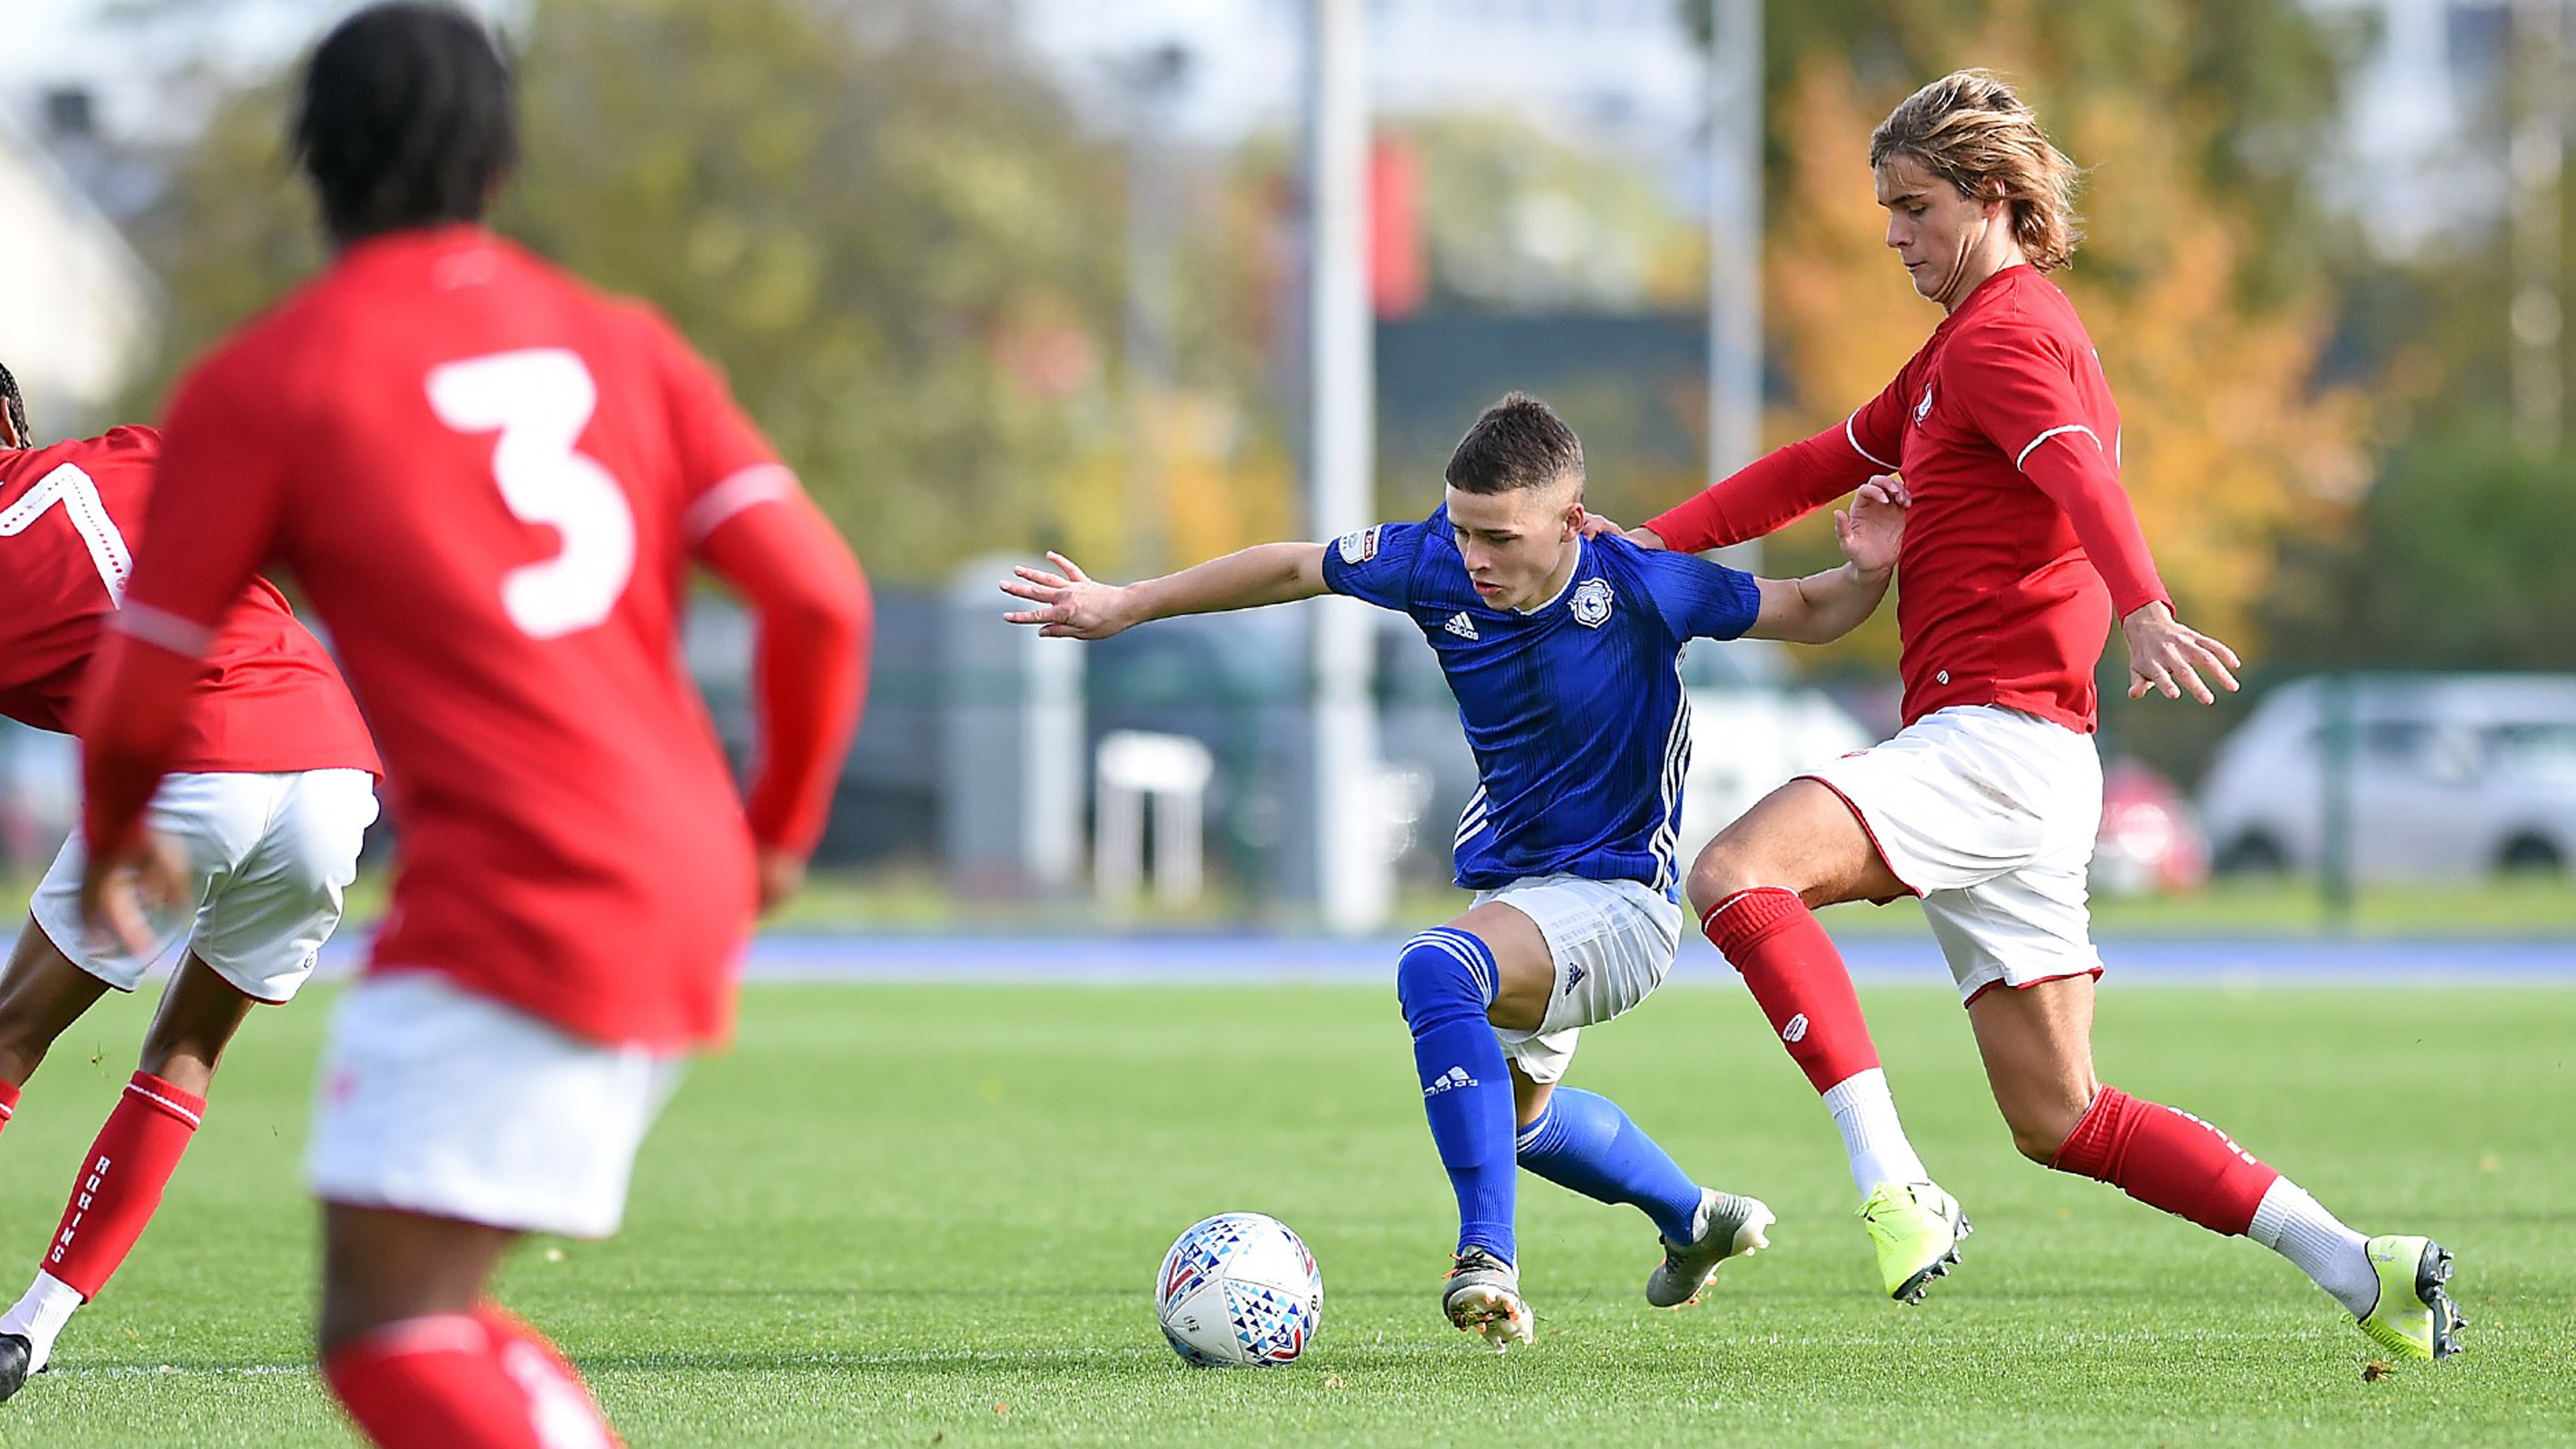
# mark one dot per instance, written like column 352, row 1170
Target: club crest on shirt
column 1591, row 602
column 1360, row 547
column 1923, row 409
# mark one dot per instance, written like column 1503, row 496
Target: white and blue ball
column 1239, row 1289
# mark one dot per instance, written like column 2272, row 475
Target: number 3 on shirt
column 539, row 401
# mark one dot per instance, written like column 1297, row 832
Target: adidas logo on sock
column 1460, row 625
column 1796, row 1031
column 1450, row 1080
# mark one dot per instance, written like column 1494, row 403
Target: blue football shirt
column 1575, row 709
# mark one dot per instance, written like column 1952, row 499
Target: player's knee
column 1443, row 973
column 1722, row 870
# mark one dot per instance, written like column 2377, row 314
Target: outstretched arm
column 1826, row 606
column 1073, row 605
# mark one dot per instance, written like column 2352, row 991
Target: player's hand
column 1594, row 525
column 2168, row 658
column 1874, row 525
column 123, row 893
column 1071, row 605
column 780, row 873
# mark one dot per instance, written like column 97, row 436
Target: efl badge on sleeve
column 1360, row 547
column 1591, row 603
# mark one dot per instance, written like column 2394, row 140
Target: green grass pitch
column 917, row 1215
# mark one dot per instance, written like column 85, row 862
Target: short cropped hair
column 1518, row 443
column 1971, row 130
column 406, row 119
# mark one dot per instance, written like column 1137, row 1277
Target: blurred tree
column 2246, row 87
column 894, row 233
column 2457, row 559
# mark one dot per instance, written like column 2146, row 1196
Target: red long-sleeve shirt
column 489, row 481
column 264, row 697
column 2020, row 547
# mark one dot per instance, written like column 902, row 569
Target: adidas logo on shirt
column 1460, row 625
column 1449, row 1081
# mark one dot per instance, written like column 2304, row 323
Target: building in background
column 2424, row 99
column 77, row 307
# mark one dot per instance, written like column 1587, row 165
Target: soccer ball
column 1239, row 1289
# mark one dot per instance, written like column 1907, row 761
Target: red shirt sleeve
column 747, row 519
column 2020, row 389
column 217, row 500
column 810, row 667
column 1788, row 483
column 726, row 464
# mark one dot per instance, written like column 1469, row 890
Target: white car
column 2446, row 775
column 1752, row 730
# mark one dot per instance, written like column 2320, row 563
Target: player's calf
column 1445, row 982
column 2166, row 1159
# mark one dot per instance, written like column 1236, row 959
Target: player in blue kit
column 1563, row 653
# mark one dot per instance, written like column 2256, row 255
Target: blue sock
column 1582, row 1141
column 1445, row 980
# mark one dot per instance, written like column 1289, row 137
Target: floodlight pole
column 2538, row 152
column 1735, row 246
column 1353, row 879
column 1153, row 80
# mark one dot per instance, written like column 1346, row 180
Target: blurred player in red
column 2020, row 551
column 490, row 481
column 271, row 792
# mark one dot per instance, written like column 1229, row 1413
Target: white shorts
column 437, row 1101
column 269, row 856
column 1612, row 942
column 1989, row 815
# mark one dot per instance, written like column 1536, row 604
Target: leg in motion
column 42, row 994
column 1455, row 983
column 1584, row 1142
column 421, row 1359
column 2037, row 1045
column 1754, row 887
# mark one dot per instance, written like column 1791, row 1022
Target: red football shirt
column 489, row 480
column 2020, row 547
column 266, row 698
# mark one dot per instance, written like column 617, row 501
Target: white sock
column 2290, row 1223
column 39, row 1317
column 1872, row 1136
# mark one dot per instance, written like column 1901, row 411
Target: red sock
column 459, row 1381
column 1773, row 941
column 8, row 1103
column 2166, row 1159
column 120, row 1182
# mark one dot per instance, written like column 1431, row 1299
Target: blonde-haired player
column 2020, row 551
